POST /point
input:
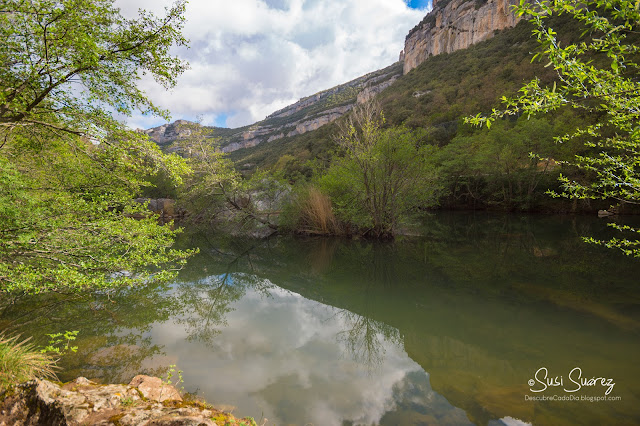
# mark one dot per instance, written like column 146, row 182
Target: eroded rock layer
column 454, row 25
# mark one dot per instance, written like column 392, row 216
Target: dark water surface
column 447, row 328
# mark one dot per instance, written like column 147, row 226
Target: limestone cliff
column 307, row 114
column 314, row 111
column 454, row 25
column 168, row 133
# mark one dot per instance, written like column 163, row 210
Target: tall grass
column 314, row 213
column 21, row 361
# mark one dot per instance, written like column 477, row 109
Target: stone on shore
column 145, row 401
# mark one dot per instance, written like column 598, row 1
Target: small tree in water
column 381, row 176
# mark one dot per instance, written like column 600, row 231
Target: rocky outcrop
column 370, row 91
column 307, row 114
column 234, row 146
column 302, row 103
column 168, row 133
column 315, row 111
column 315, row 123
column 165, row 207
column 454, row 25
column 145, row 401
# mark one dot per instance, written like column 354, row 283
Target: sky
column 249, row 58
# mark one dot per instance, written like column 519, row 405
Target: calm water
column 447, row 328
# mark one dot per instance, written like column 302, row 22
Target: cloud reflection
column 290, row 359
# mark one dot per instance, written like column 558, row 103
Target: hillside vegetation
column 410, row 149
column 476, row 168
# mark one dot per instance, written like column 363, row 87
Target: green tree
column 598, row 74
column 482, row 167
column 69, row 171
column 215, row 190
column 382, row 175
column 66, row 63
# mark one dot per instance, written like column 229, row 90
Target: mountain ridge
column 451, row 25
column 309, row 113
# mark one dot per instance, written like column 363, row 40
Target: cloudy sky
column 250, row 58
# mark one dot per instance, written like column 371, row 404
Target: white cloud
column 251, row 57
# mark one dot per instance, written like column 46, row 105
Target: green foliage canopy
column 213, row 181
column 64, row 61
column 382, row 176
column 69, row 171
column 68, row 221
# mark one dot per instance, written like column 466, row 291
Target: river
column 466, row 324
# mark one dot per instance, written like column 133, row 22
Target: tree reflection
column 206, row 303
column 111, row 324
column 114, row 325
column 364, row 339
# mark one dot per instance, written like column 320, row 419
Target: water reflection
column 279, row 357
column 363, row 336
column 205, row 304
column 444, row 329
column 113, row 341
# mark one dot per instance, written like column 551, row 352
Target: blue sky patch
column 419, row 4
column 221, row 120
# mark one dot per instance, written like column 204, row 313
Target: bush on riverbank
column 310, row 211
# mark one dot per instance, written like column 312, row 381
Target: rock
column 155, row 389
column 169, row 420
column 83, row 402
column 455, row 25
column 308, row 114
column 153, row 206
column 166, row 207
column 370, row 91
column 83, row 381
column 169, row 133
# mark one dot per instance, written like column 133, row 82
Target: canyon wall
column 308, row 114
column 454, row 25
column 450, row 26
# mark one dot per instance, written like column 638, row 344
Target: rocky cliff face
column 307, row 114
column 168, row 133
column 454, row 25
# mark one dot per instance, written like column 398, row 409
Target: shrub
column 22, row 361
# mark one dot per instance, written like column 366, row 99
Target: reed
column 316, row 214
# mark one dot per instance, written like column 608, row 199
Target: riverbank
column 145, row 400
